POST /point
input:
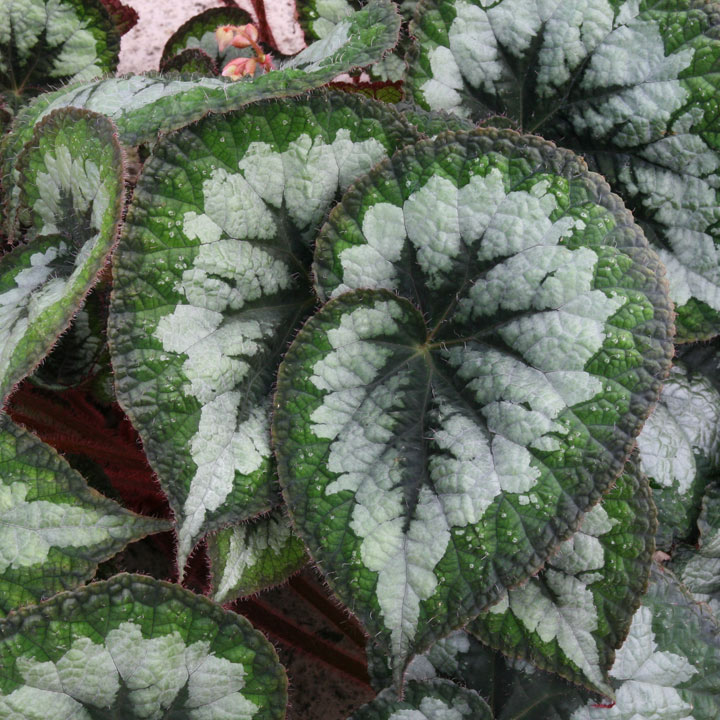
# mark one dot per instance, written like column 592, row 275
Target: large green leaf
column 72, row 184
column 679, row 450
column 135, row 648
column 50, row 42
column 54, row 530
column 211, row 280
column 669, row 666
column 631, row 84
column 571, row 617
column 434, row 452
column 432, row 700
column 254, row 556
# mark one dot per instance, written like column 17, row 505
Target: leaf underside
column 54, row 529
column 211, row 279
column 630, row 85
column 72, row 186
column 134, row 647
column 434, row 451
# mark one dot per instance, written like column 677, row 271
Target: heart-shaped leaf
column 212, row 278
column 254, row 556
column 54, row 529
column 51, row 42
column 571, row 617
column 679, row 450
column 432, row 700
column 136, row 648
column 669, row 666
column 433, row 453
column 192, row 60
column 72, row 184
column 631, row 85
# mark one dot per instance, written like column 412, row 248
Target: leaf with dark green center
column 434, row 451
column 632, row 85
column 571, row 617
column 199, row 33
column 212, row 278
column 254, row 556
column 432, row 700
column 135, row 648
column 51, row 42
column 192, row 60
column 72, row 184
column 679, row 451
column 54, row 530
column 669, row 665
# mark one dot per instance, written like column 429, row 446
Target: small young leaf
column 199, row 33
column 138, row 649
column 212, row 278
column 192, row 60
column 54, row 529
column 669, row 666
column 679, row 449
column 571, row 617
column 248, row 558
column 631, row 85
column 52, row 42
column 72, row 184
column 433, row 700
column 434, row 453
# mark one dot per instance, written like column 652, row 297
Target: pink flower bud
column 245, row 36
column 224, row 36
column 239, row 67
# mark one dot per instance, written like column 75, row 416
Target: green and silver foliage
column 254, row 556
column 432, row 700
column 52, row 42
column 571, row 617
column 54, row 530
column 631, row 84
column 435, row 450
column 199, row 33
column 136, row 648
column 192, row 60
column 72, row 186
column 679, row 450
column 699, row 568
column 669, row 665
column 212, row 278
column 318, row 18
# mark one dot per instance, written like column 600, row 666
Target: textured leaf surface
column 143, row 105
column 318, row 18
column 248, row 558
column 669, row 666
column 571, row 617
column 192, row 60
column 630, row 84
column 212, row 278
column 434, row 700
column 132, row 647
column 199, row 33
column 72, row 183
column 679, row 450
column 49, row 42
column 53, row 528
column 446, row 446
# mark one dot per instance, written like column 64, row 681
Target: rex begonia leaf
column 72, row 184
column 679, row 449
column 318, row 18
column 434, row 451
column 199, row 33
column 699, row 568
column 211, row 279
column 630, row 84
column 431, row 700
column 50, row 42
column 571, row 617
column 54, row 530
column 135, row 648
column 669, row 666
column 254, row 556
column 192, row 60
